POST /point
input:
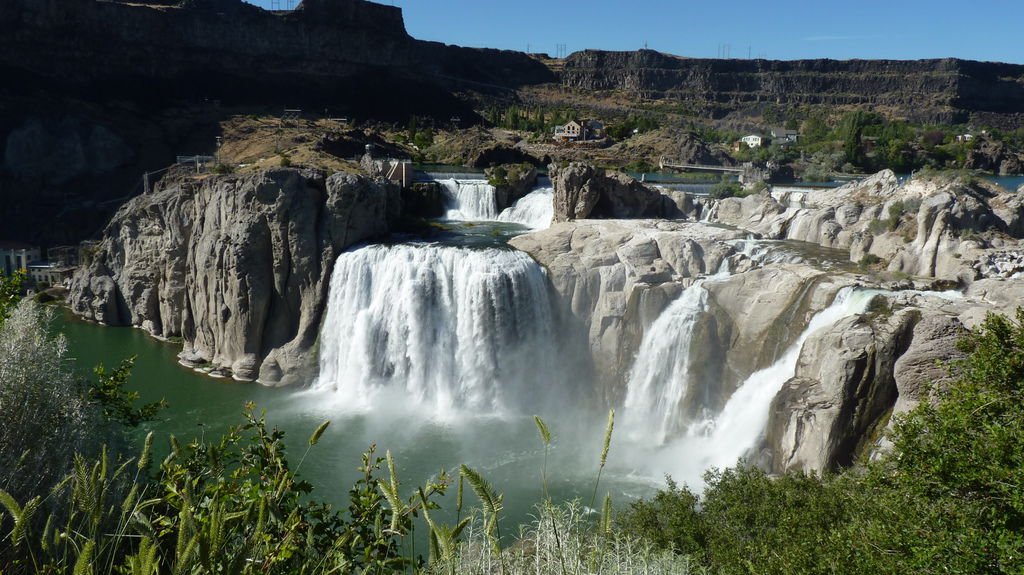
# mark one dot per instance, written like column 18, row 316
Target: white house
column 964, row 138
column 753, row 140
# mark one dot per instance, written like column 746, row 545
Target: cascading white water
column 765, row 252
column 709, row 210
column 723, row 438
column 470, row 200
column 660, row 376
column 533, row 210
column 437, row 327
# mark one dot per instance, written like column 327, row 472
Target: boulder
column 582, row 191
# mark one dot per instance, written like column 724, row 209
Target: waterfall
column 470, row 200
column 439, row 328
column 659, row 380
column 533, row 210
column 709, row 210
column 721, row 439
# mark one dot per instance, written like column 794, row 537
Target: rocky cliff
column 352, row 55
column 616, row 277
column 947, row 91
column 236, row 266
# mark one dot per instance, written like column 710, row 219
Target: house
column 15, row 256
column 964, row 138
column 569, row 132
column 782, row 135
column 753, row 140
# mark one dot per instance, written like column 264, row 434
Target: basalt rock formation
column 614, row 277
column 236, row 266
column 946, row 91
column 348, row 54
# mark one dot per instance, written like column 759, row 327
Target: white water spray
column 660, row 378
column 437, row 327
column 534, row 210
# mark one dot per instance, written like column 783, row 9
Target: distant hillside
column 943, row 91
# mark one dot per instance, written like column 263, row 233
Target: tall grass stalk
column 545, row 436
column 537, row 550
column 604, row 453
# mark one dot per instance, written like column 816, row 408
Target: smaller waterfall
column 660, row 378
column 708, row 210
column 719, row 440
column 534, row 210
column 470, row 200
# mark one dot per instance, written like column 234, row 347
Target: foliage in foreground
column 947, row 499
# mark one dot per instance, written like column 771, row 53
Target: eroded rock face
column 238, row 267
column 951, row 229
column 615, row 276
column 843, row 387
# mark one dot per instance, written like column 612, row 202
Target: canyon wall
column 352, row 55
column 946, row 90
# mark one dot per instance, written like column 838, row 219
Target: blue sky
column 777, row 29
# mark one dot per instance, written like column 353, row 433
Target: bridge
column 697, row 167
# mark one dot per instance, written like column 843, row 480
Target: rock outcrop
column 236, row 266
column 583, row 191
column 941, row 227
column 993, row 156
column 843, row 387
column 511, row 182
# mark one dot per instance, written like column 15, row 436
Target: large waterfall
column 439, row 327
column 470, row 200
column 533, row 210
column 722, row 438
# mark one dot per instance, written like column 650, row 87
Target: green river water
column 507, row 450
